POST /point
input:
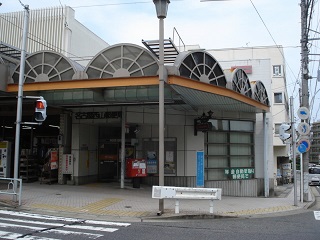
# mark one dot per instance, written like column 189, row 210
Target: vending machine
column 5, row 159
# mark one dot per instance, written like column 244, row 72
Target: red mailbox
column 136, row 168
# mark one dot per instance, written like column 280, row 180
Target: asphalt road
column 290, row 227
column 301, row 225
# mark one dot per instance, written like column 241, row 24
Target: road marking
column 44, row 230
column 63, row 232
column 103, row 229
column 47, row 217
column 316, row 215
column 67, row 223
column 3, row 224
column 33, row 222
column 38, row 216
column 108, row 223
column 11, row 235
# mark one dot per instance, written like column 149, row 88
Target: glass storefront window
column 229, row 153
column 241, row 126
column 220, row 125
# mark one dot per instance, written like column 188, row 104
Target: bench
column 211, row 194
column 9, row 187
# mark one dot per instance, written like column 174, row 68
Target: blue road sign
column 303, row 113
column 302, row 148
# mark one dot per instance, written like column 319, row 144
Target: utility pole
column 304, row 101
column 293, row 147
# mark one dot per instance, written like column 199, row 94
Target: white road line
column 11, row 235
column 33, row 222
column 316, row 215
column 118, row 224
column 38, row 216
column 102, row 229
column 2, row 224
column 54, row 218
column 63, row 232
column 44, row 230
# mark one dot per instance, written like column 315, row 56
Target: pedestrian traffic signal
column 40, row 113
column 284, row 133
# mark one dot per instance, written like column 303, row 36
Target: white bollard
column 176, row 209
column 211, row 206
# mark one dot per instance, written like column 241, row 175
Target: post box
column 136, row 168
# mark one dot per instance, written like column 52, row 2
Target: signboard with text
column 239, row 173
column 200, row 169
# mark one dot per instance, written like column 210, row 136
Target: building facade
column 210, row 107
column 265, row 64
column 315, row 143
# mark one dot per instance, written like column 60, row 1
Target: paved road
column 28, row 226
column 19, row 225
column 290, row 227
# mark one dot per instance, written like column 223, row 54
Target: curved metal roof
column 127, row 74
column 260, row 93
column 200, row 66
column 241, row 83
column 44, row 66
column 122, row 60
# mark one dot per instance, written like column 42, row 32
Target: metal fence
column 7, row 188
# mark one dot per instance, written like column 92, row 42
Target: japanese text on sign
column 239, row 173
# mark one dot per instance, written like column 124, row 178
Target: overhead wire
column 116, row 4
column 286, row 63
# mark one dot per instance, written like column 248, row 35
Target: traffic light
column 284, row 133
column 40, row 112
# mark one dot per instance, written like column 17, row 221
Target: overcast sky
column 212, row 25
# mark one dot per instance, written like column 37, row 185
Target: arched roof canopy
column 200, row 66
column 241, row 83
column 122, row 60
column 260, row 93
column 128, row 74
column 45, row 66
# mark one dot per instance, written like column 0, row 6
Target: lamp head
column 161, row 7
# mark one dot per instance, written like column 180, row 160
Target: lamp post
column 162, row 9
column 20, row 95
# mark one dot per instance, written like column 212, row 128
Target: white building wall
column 54, row 29
column 84, row 44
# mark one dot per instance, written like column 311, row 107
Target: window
column 278, row 97
column 277, row 71
column 229, row 151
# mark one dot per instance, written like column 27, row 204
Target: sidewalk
column 109, row 201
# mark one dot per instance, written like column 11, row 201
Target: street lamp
column 20, row 96
column 162, row 9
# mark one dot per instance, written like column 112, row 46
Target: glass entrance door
column 108, row 161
